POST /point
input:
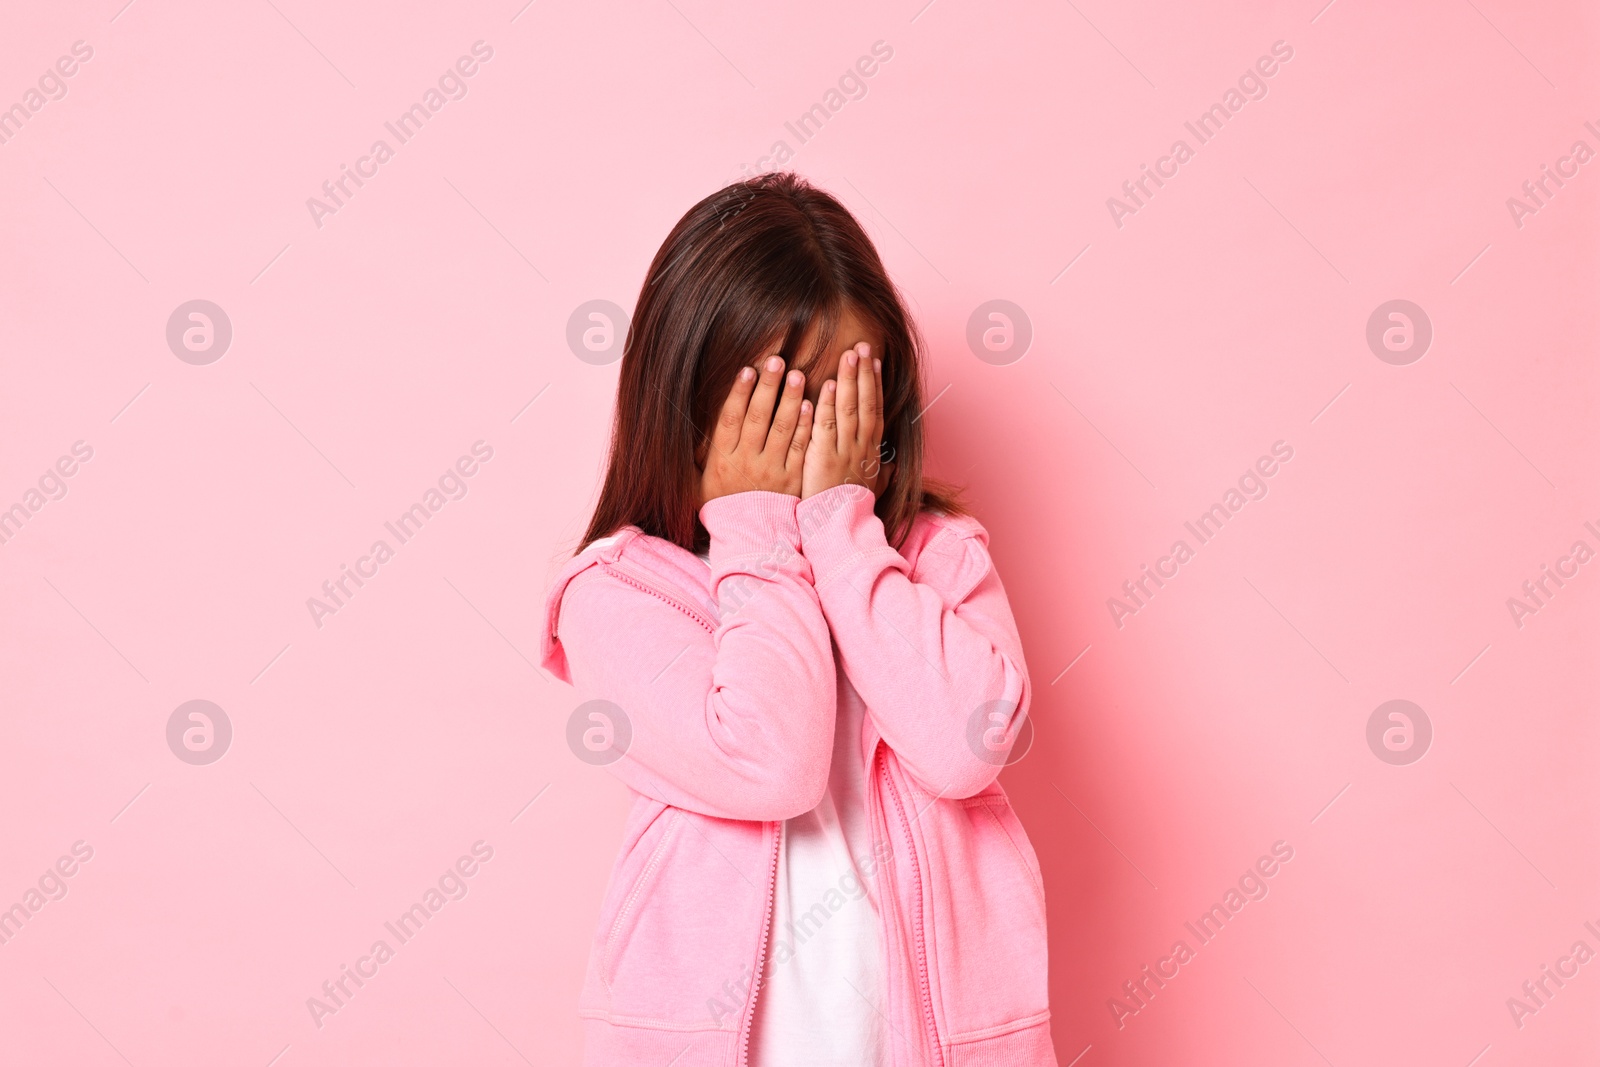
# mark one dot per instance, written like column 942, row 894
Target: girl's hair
column 752, row 264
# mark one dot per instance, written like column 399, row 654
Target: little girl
column 810, row 672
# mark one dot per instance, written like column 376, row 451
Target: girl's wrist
column 756, row 518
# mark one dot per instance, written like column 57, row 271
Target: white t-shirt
column 822, row 989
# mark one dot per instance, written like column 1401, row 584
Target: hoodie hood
column 638, row 557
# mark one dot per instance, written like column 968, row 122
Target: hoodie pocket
column 677, row 937
column 637, row 872
column 988, row 913
column 998, row 807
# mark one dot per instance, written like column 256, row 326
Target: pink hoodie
column 730, row 680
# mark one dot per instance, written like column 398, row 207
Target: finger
column 729, row 421
column 870, row 424
column 759, row 414
column 788, row 414
column 802, row 439
column 825, row 431
column 849, row 399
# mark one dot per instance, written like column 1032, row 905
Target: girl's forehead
column 815, row 353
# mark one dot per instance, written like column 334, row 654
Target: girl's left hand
column 847, row 429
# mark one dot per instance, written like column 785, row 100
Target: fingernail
column 774, row 363
column 864, row 348
column 796, row 378
column 877, row 364
column 746, row 373
column 850, row 357
column 805, row 407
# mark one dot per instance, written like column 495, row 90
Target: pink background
column 368, row 354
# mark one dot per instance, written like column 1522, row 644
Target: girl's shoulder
column 631, row 551
column 948, row 552
column 935, row 523
column 621, row 575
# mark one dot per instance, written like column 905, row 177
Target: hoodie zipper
column 916, row 918
column 761, row 952
column 659, row 595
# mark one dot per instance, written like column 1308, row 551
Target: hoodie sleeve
column 733, row 717
column 935, row 654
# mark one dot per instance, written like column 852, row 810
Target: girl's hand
column 845, row 442
column 753, row 448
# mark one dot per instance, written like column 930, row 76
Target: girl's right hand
column 752, row 448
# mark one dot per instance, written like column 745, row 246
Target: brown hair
column 754, row 262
